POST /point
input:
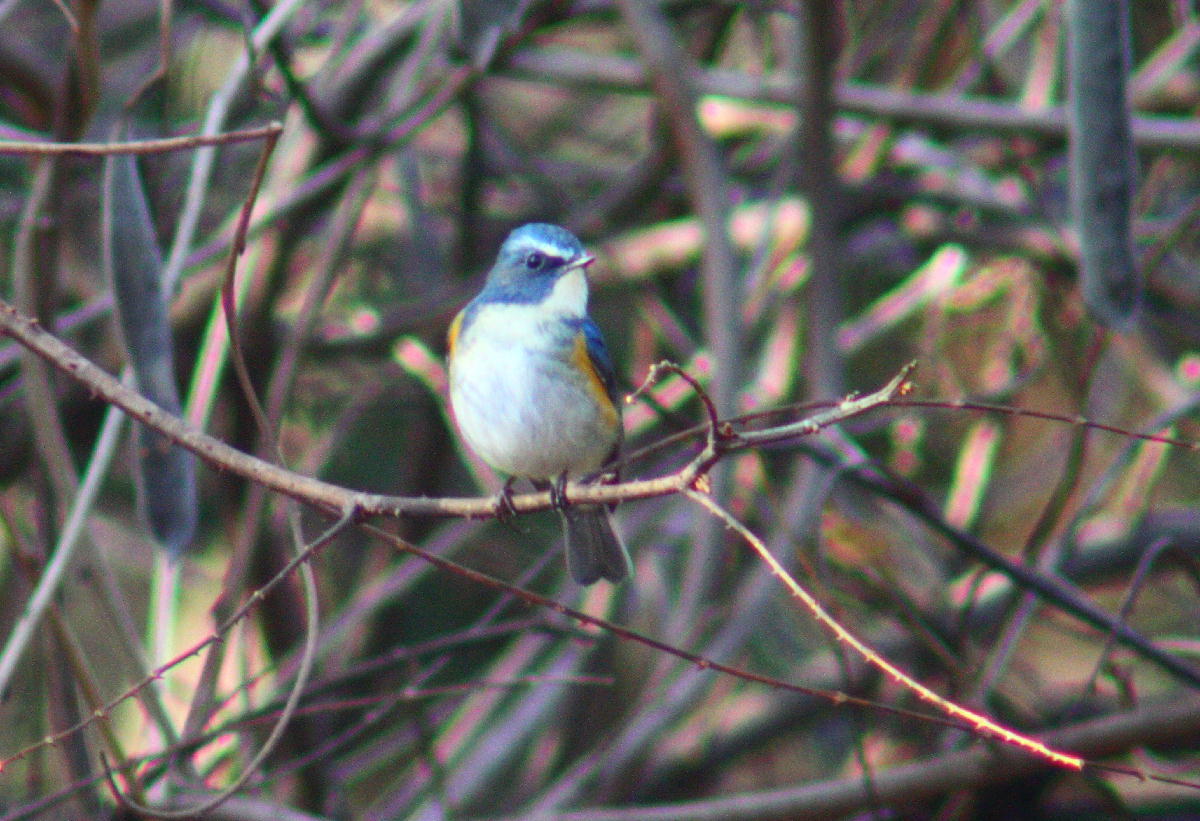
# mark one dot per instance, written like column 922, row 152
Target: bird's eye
column 534, row 261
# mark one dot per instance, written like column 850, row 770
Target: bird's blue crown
column 529, row 262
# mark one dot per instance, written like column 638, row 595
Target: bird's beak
column 583, row 262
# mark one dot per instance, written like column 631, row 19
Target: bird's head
column 534, row 259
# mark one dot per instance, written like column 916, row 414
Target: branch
column 156, row 146
column 935, row 109
column 1161, row 722
column 335, row 500
column 981, row 724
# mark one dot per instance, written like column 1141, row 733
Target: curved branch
column 335, row 500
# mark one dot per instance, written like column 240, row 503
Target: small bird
column 532, row 385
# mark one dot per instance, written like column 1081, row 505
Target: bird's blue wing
column 598, row 356
column 602, row 372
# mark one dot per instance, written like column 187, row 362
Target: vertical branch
column 672, row 76
column 1102, row 161
column 707, row 183
column 820, row 29
column 40, row 403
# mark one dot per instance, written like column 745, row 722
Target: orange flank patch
column 452, row 334
column 582, row 360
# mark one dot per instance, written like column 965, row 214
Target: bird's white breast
column 518, row 399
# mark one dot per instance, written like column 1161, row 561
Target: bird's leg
column 505, row 511
column 558, row 492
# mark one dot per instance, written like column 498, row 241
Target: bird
column 532, row 387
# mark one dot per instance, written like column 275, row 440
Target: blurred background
column 791, row 200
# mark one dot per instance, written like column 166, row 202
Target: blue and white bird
column 532, row 384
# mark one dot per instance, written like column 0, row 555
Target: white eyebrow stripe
column 551, row 249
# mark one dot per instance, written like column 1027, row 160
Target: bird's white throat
column 569, row 296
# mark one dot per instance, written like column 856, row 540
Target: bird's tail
column 594, row 550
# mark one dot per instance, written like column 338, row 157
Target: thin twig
column 980, row 723
column 300, row 561
column 155, row 146
column 205, row 159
